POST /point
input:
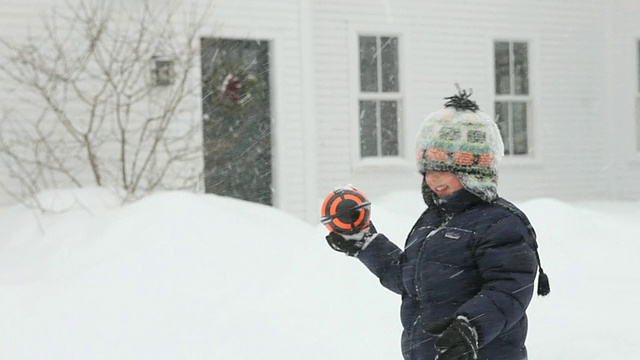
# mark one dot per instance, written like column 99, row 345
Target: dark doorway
column 236, row 119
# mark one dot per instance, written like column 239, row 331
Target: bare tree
column 103, row 96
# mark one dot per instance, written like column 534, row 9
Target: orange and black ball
column 346, row 211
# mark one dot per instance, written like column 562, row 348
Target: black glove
column 457, row 339
column 350, row 244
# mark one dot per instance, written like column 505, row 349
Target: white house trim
column 308, row 109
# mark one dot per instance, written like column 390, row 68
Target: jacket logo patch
column 452, row 235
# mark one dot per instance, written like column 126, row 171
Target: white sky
column 192, row 276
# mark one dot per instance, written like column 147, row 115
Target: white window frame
column 357, row 95
column 510, row 98
column 637, row 98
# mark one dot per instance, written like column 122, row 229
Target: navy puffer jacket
column 464, row 256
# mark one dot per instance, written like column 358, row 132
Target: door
column 236, row 119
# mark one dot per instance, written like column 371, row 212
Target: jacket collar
column 457, row 202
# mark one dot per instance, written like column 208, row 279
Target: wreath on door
column 234, row 88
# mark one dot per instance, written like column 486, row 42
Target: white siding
column 277, row 21
column 19, row 19
column 622, row 70
column 583, row 76
column 447, row 42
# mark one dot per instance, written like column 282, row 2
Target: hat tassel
column 543, row 280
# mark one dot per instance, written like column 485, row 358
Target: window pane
column 521, row 68
column 389, row 56
column 520, row 145
column 389, row 127
column 501, row 54
column 249, row 57
column 638, row 124
column 502, row 114
column 368, row 64
column 368, row 129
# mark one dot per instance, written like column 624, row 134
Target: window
column 379, row 96
column 512, row 101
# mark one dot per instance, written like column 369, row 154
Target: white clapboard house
column 349, row 82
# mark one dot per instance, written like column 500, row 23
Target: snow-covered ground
column 190, row 276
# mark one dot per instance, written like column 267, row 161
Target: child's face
column 442, row 183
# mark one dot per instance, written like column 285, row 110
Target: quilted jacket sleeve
column 383, row 258
column 507, row 266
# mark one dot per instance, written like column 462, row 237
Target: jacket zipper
column 418, row 279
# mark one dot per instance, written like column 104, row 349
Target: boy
column 468, row 266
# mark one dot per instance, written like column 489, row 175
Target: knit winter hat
column 462, row 140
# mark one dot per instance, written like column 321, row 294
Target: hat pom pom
column 461, row 101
